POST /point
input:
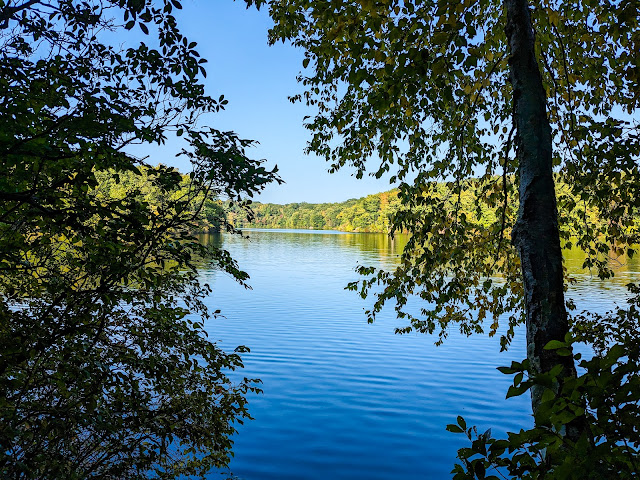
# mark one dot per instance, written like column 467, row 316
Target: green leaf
column 554, row 345
column 515, row 391
column 454, row 428
column 507, row 370
column 462, row 423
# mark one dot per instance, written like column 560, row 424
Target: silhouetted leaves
column 422, row 88
column 105, row 368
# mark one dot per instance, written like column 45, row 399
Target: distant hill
column 367, row 214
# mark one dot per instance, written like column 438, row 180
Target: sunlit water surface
column 344, row 399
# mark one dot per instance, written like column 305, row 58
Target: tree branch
column 8, row 12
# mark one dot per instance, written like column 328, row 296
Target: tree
column 105, row 368
column 441, row 92
column 535, row 233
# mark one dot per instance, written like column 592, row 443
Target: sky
column 256, row 79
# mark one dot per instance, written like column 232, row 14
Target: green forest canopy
column 373, row 213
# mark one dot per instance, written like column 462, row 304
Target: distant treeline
column 373, row 213
column 147, row 184
column 368, row 214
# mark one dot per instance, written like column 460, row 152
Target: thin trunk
column 536, row 233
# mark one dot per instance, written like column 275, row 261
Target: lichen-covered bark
column 536, row 232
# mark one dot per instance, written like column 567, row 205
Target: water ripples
column 344, row 399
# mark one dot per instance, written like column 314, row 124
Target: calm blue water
column 344, row 399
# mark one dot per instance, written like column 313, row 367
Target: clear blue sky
column 256, row 79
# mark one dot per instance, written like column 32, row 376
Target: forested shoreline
column 374, row 213
column 370, row 214
column 207, row 211
column 367, row 214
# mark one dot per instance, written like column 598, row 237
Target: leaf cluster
column 602, row 402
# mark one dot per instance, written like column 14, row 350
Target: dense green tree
column 317, row 221
column 208, row 211
column 372, row 213
column 368, row 214
column 442, row 92
column 105, row 369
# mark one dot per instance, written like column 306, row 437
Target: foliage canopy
column 424, row 86
column 105, row 369
column 441, row 92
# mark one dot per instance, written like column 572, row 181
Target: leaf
column 516, row 391
column 454, row 428
column 554, row 345
column 518, row 378
column 462, row 423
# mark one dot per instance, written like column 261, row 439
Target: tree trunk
column 536, row 233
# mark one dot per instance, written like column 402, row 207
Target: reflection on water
column 380, row 248
column 374, row 246
column 344, row 399
column 624, row 268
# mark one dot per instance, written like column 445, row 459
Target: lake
column 344, row 399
